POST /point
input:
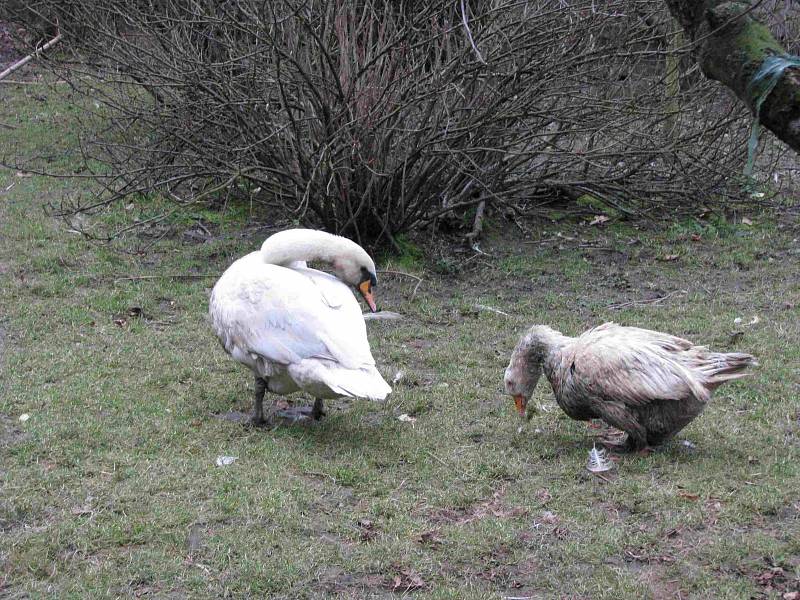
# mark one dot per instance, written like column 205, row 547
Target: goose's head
column 358, row 269
column 525, row 367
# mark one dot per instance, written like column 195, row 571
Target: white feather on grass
column 598, row 462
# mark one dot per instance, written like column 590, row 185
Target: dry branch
column 24, row 61
column 374, row 118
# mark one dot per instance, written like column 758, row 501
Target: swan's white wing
column 343, row 331
column 286, row 315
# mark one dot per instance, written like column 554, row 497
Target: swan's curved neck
column 301, row 245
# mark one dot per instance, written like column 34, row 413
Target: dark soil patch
column 8, row 50
column 335, row 580
column 10, row 434
column 492, row 507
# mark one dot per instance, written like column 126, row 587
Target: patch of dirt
column 335, row 580
column 8, row 49
column 492, row 507
column 777, row 579
column 10, row 434
column 655, row 578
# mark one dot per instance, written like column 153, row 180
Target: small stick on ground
column 24, row 61
column 477, row 224
column 170, row 276
column 658, row 300
column 416, row 287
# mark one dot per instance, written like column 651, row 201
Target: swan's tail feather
column 358, row 383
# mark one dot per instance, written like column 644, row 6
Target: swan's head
column 525, row 367
column 350, row 262
column 357, row 269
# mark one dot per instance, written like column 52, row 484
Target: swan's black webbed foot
column 316, row 411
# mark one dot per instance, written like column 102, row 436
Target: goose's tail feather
column 722, row 367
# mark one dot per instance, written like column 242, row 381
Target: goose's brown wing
column 629, row 365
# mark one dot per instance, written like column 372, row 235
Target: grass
column 110, row 487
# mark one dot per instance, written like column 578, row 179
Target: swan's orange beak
column 365, row 287
column 521, row 403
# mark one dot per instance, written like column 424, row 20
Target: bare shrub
column 377, row 117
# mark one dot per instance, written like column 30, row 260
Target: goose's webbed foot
column 629, row 445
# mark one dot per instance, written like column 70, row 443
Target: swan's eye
column 366, row 275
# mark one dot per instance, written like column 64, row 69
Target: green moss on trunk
column 732, row 46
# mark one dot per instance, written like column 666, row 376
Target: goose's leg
column 620, row 416
column 258, row 401
column 317, row 413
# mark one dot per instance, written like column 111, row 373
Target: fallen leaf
column 420, row 344
column 746, row 221
column 767, row 576
column 428, row 538
column 407, row 580
column 224, row 461
column 696, row 237
column 688, row 495
column 367, row 529
column 599, row 220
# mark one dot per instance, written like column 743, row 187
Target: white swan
column 298, row 328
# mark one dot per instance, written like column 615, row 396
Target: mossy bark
column 731, row 46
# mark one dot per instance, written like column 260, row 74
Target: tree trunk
column 731, row 46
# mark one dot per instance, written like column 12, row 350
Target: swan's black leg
column 317, row 413
column 258, row 401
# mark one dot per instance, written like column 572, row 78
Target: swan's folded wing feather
column 289, row 319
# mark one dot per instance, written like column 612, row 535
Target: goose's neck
column 302, row 245
column 543, row 342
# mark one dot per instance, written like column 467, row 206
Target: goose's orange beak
column 521, row 403
column 365, row 287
